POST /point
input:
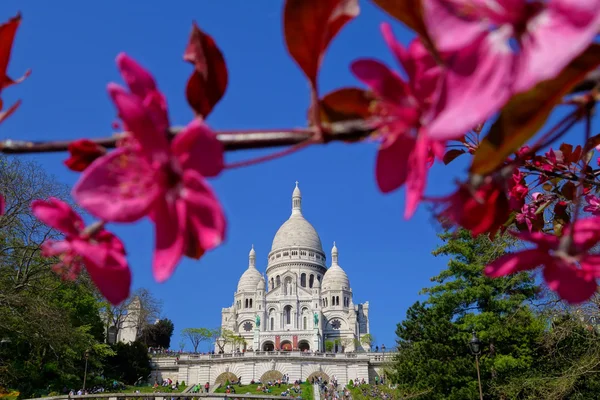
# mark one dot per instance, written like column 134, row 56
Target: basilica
column 300, row 304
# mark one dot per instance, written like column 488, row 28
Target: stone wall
column 193, row 368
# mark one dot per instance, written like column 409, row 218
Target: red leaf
column 7, row 36
column 452, row 154
column 83, row 152
column 344, row 104
column 309, row 27
column 208, row 82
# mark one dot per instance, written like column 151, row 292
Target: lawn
column 367, row 392
column 307, row 390
column 150, row 389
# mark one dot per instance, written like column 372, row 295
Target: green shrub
column 182, row 383
column 351, row 383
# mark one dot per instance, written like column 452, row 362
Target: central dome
column 297, row 231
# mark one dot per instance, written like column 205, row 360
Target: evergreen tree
column 433, row 340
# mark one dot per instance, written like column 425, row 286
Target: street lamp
column 475, row 346
column 383, row 350
column 86, row 354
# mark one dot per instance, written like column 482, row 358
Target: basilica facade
column 299, row 304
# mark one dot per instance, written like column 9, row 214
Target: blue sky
column 71, row 49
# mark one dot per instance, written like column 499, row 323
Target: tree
column 159, row 334
column 197, row 336
column 46, row 324
column 433, row 339
column 129, row 364
column 366, row 340
column 145, row 307
column 329, row 345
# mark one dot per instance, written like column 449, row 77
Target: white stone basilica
column 302, row 304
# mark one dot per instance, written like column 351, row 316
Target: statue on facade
column 257, row 320
column 316, row 317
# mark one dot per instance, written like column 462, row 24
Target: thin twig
column 233, row 140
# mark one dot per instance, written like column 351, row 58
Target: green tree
column 197, row 336
column 129, row 364
column 159, row 334
column 46, row 324
column 433, row 339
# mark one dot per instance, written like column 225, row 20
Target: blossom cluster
column 480, row 78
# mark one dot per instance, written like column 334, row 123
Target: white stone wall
column 206, row 368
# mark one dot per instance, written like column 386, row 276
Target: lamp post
column 86, row 355
column 475, row 346
column 383, row 350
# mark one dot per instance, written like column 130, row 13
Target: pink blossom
column 100, row 252
column 518, row 190
column 157, row 178
column 407, row 151
column 593, row 204
column 485, row 65
column 568, row 268
column 527, row 216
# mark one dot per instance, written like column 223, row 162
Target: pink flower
column 497, row 48
column 527, row 216
column 593, row 204
column 518, row 190
column 569, row 269
column 157, row 178
column 407, row 151
column 100, row 252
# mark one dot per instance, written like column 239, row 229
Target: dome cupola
column 251, row 277
column 335, row 277
column 297, row 231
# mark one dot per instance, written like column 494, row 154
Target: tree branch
column 353, row 130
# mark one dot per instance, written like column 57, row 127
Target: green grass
column 150, row 389
column 307, row 390
column 357, row 392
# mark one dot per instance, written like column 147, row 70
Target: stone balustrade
column 161, row 396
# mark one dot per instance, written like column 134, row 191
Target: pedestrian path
column 316, row 392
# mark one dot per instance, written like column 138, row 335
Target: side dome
column 262, row 284
column 251, row 277
column 335, row 277
column 249, row 280
column 297, row 231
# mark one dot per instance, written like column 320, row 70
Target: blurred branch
column 352, row 130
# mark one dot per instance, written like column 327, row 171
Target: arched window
column 246, row 304
column 319, row 278
column 272, row 323
column 311, row 280
column 303, row 280
column 337, row 300
column 287, row 311
column 250, row 303
column 277, row 281
column 333, row 300
column 272, row 284
column 304, row 323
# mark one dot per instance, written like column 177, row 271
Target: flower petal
column 198, row 148
column 383, row 81
column 516, row 262
column 170, row 222
column 391, row 168
column 205, row 214
column 139, row 122
column 569, row 282
column 118, row 187
column 139, row 80
column 450, row 27
column 586, row 233
column 479, row 79
column 553, row 38
column 108, row 269
column 58, row 215
column 416, row 180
